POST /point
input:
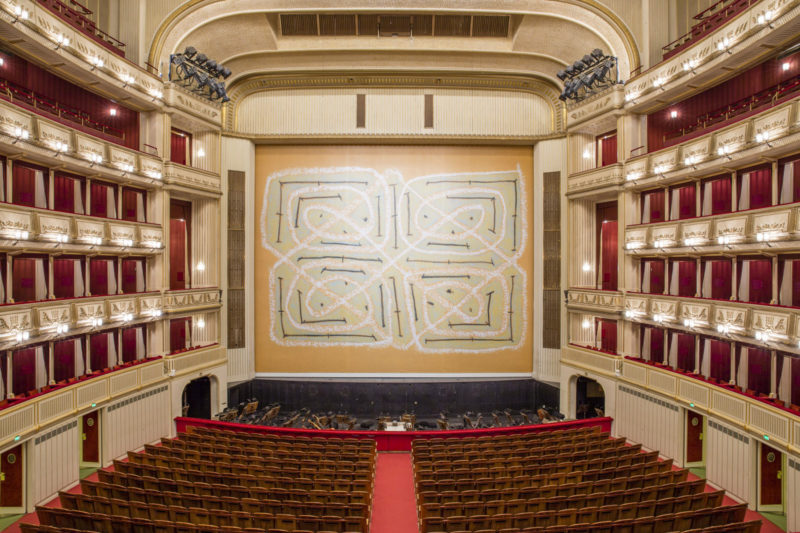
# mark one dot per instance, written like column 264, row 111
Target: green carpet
column 6, row 521
column 776, row 518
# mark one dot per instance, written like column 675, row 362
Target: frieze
column 151, row 234
column 595, row 178
column 735, row 317
column 12, row 221
column 699, row 231
column 191, row 177
column 734, row 137
column 51, row 316
column 667, row 308
column 667, row 159
column 121, row 306
column 53, row 224
column 117, row 156
column 665, row 233
column 150, row 166
column 86, row 145
column 149, row 304
column 48, row 133
column 637, row 304
column 698, row 312
column 775, row 122
column 699, row 149
column 120, row 232
column 90, row 228
column 732, row 227
column 772, row 222
column 18, row 320
column 775, row 323
column 11, row 119
column 636, row 235
column 86, row 311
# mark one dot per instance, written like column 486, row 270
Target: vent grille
column 337, row 24
column 41, row 439
column 138, row 397
column 649, row 398
column 452, row 26
column 727, row 431
column 489, row 26
column 298, row 25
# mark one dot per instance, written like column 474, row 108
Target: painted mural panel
column 409, row 259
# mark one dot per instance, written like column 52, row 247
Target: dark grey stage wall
column 372, row 399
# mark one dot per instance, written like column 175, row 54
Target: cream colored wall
column 54, row 452
column 648, row 419
column 792, row 470
column 727, row 446
column 130, row 423
column 239, row 155
column 395, row 111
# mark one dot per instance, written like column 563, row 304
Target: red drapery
column 657, row 213
column 178, row 331
column 129, row 343
column 98, row 276
column 24, row 279
column 178, row 144
column 795, row 381
column 64, row 192
column 720, row 360
column 64, row 277
column 129, row 274
column 759, row 370
column 687, row 207
column 721, row 195
column 760, row 281
column 687, row 278
column 608, row 335
column 796, row 283
column 656, row 275
column 24, row 185
column 63, row 360
column 87, row 109
column 129, row 203
column 657, row 345
column 721, row 272
column 608, row 255
column 686, row 352
column 99, row 346
column 609, row 149
column 705, row 107
column 23, row 370
column 795, row 166
column 177, row 254
column 100, row 207
column 760, row 187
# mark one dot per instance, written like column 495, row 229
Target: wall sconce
column 633, row 176
column 125, row 242
column 724, row 151
column 723, row 328
column 763, row 137
column 724, row 44
column 659, row 170
column 125, row 317
column 96, row 322
column 151, row 244
column 156, row 94
column 57, row 237
column 155, row 174
column 691, row 161
column 201, row 323
column 20, row 235
column 93, row 158
column 155, row 313
column 633, row 245
column 762, row 336
column 127, row 79
column 62, row 328
column 587, row 154
column 96, row 62
column 688, row 322
column 766, row 18
column 201, row 267
column 20, row 134
column 61, row 40
column 659, row 82
column 60, row 147
column 586, row 267
column 689, row 65
column 20, row 14
column 201, row 152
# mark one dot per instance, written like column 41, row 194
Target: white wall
column 792, row 475
column 134, row 421
column 548, row 156
column 53, row 461
column 239, row 154
column 650, row 420
column 731, row 460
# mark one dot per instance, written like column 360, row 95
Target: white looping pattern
column 369, row 259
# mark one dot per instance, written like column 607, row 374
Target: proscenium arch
column 194, row 14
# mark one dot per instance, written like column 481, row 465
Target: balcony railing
column 595, row 300
column 710, row 19
column 77, row 16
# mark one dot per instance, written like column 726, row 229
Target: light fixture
column 20, row 134
column 201, row 323
column 92, row 240
column 113, row 111
column 725, row 151
column 723, row 328
column 127, row 79
column 125, row 167
column 586, row 324
column 689, row 64
column 766, row 18
column 155, row 174
column 634, row 245
column 156, row 94
column 586, row 267
column 688, row 322
column 151, row 244
column 658, row 318
column 661, row 243
column 125, row 242
column 59, row 147
column 201, row 152
column 201, row 266
column 22, row 335
column 2, row 61
column 763, row 137
column 690, row 161
column 631, row 97
column 673, row 114
column 786, row 66
column 660, row 169
column 57, row 237
column 20, row 235
column 724, row 44
column 20, row 13
column 762, row 336
column 61, row 40
column 659, row 82
column 93, row 158
column 96, row 322
column 125, row 317
column 633, row 176
column 587, row 154
column 96, row 62
column 155, row 313
column 62, row 328
column 692, row 241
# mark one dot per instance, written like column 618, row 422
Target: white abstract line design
column 370, row 259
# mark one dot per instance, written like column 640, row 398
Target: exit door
column 771, row 474
column 90, row 435
column 11, row 478
column 694, row 437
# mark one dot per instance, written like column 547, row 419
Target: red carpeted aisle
column 394, row 502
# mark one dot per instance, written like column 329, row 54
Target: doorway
column 590, row 400
column 695, row 431
column 197, row 399
column 12, row 478
column 770, row 479
column 90, row 439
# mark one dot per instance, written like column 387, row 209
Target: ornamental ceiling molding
column 159, row 47
column 262, row 83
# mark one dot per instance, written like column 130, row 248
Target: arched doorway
column 590, row 399
column 196, row 399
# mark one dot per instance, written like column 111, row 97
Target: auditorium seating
column 208, row 480
column 572, row 480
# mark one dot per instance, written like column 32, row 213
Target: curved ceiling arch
column 213, row 20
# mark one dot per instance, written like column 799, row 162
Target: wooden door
column 771, row 474
column 91, row 438
column 11, row 478
column 694, row 437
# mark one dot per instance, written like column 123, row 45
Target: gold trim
column 157, row 45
